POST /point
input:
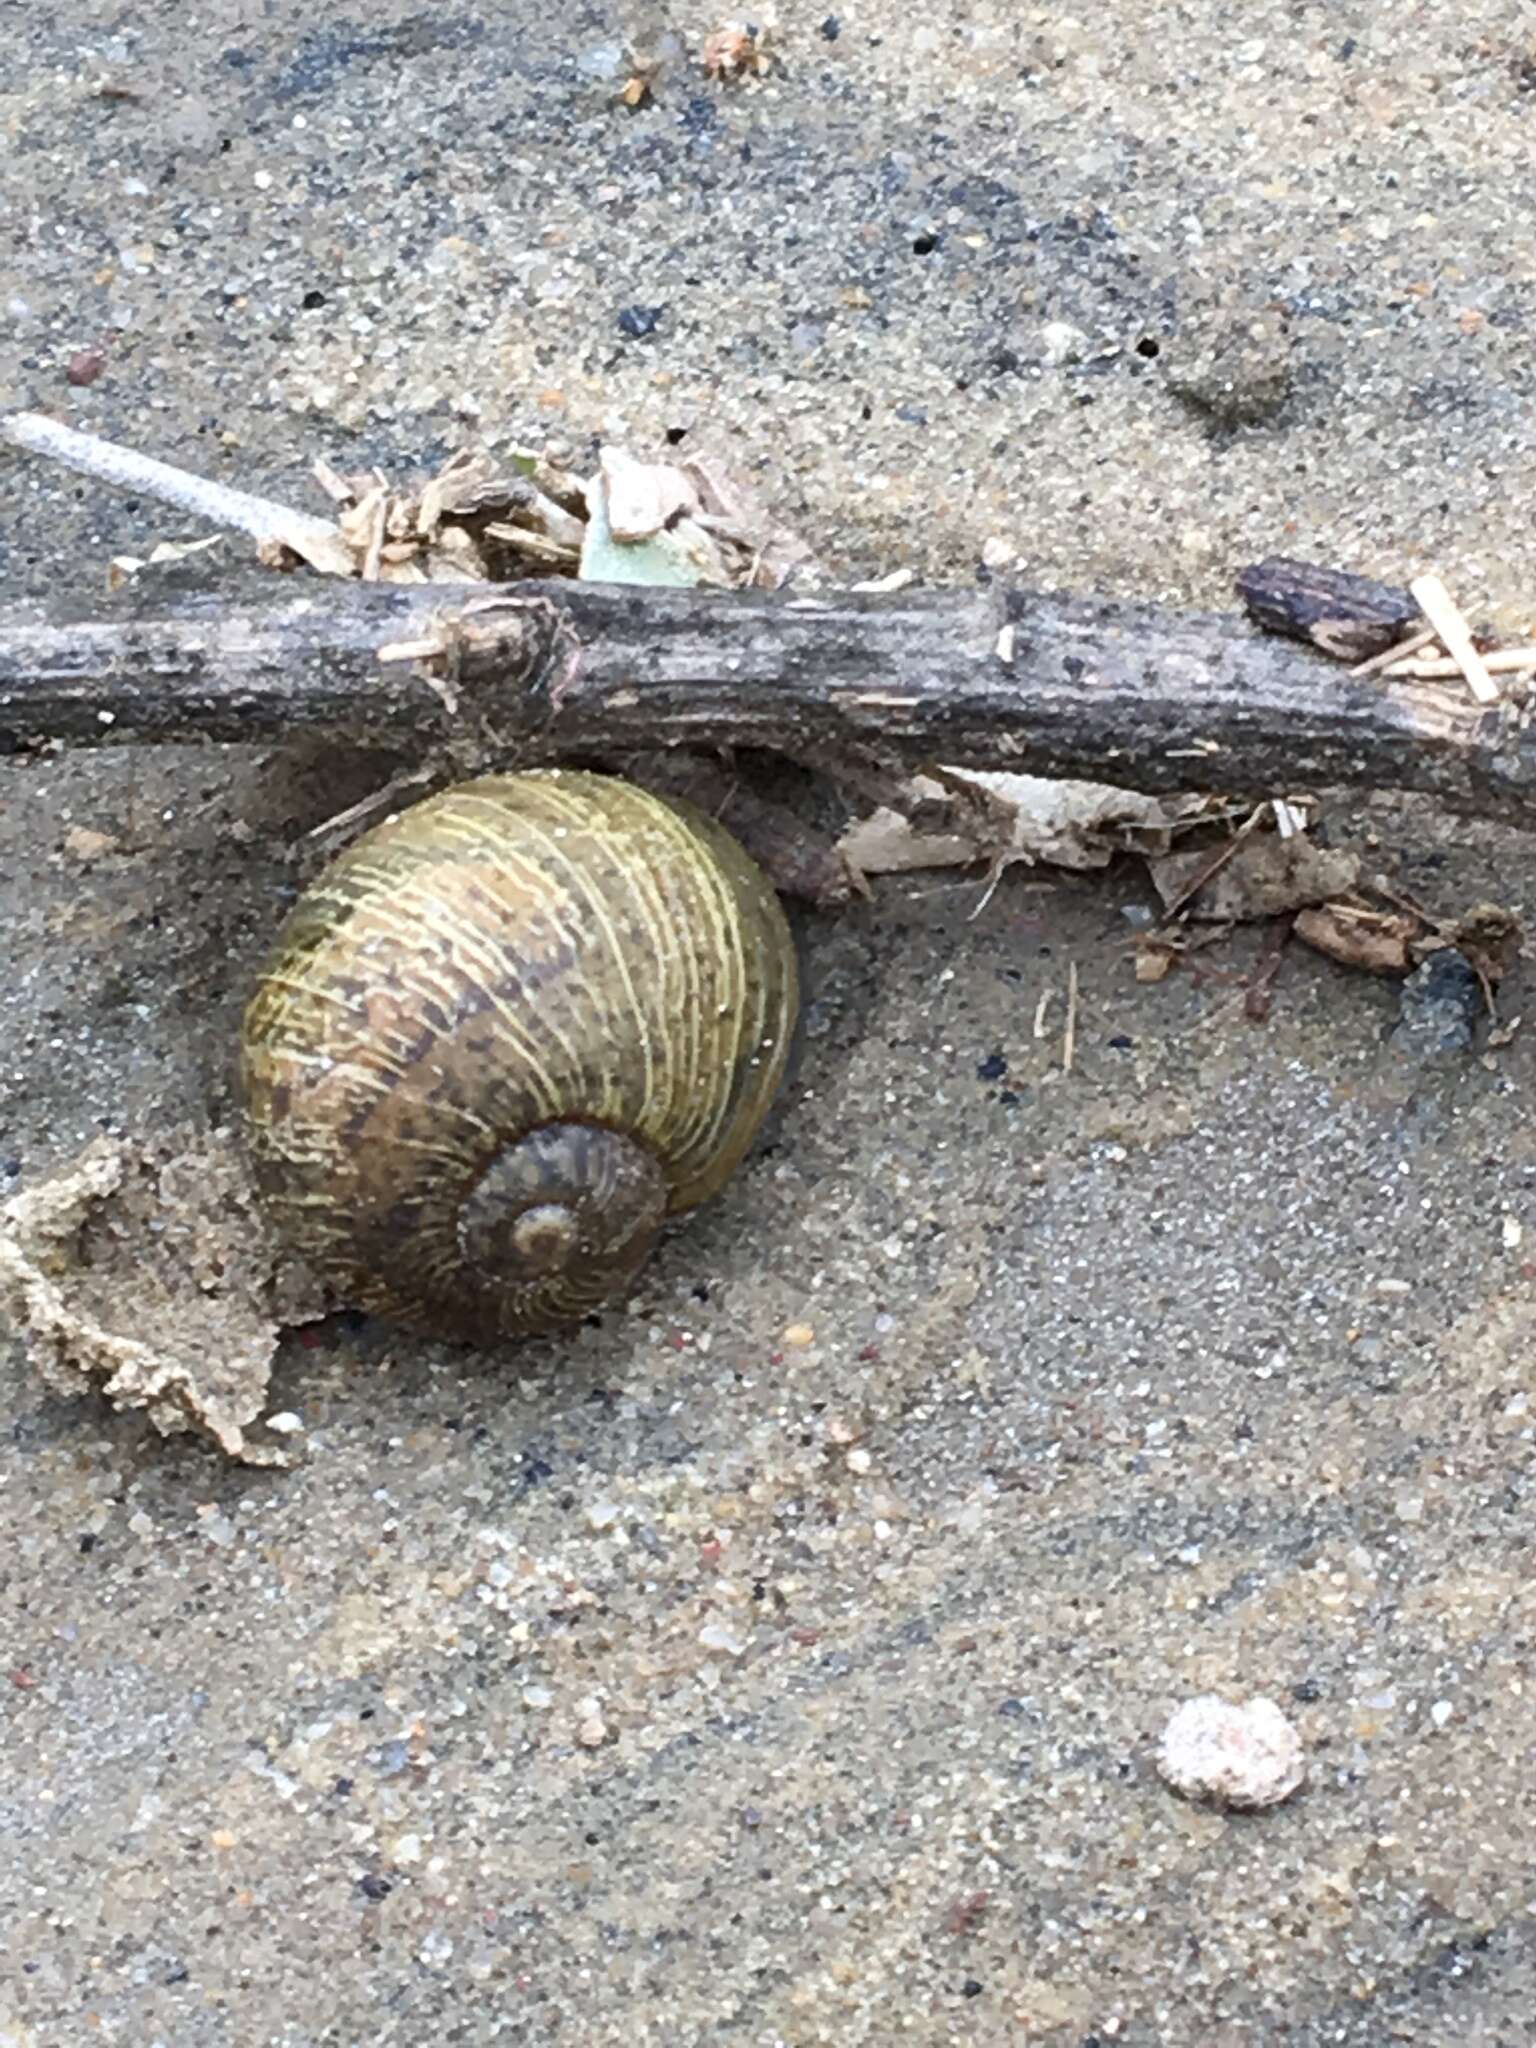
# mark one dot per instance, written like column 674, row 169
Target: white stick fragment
column 315, row 540
column 1069, row 1036
column 878, row 586
column 1503, row 661
column 1412, row 645
column 1442, row 612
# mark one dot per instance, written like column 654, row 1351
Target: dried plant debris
column 143, row 1271
column 1265, row 869
column 1269, row 869
column 740, row 50
column 642, row 528
column 1417, row 634
column 1489, row 934
column 1381, row 932
column 1263, row 875
column 483, row 518
column 959, row 818
column 163, row 555
column 1356, row 935
column 685, row 523
column 480, row 519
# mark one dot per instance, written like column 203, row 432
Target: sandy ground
column 1204, row 1366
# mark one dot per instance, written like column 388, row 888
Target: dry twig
column 317, row 541
column 1442, row 612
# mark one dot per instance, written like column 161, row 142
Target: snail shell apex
column 503, row 1036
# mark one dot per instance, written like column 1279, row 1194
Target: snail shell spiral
column 503, row 1037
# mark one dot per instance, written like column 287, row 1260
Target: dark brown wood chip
column 1351, row 617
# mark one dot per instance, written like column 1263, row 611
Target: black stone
column 636, row 322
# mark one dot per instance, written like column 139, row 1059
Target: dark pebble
column 11, row 1168
column 373, row 1887
column 1122, row 1041
column 1306, row 1690
column 831, row 29
column 970, row 1988
column 636, row 322
column 992, row 1068
column 913, row 415
column 1439, row 1008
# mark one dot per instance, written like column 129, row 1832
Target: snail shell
column 506, row 1034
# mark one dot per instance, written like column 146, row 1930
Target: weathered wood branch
column 1068, row 686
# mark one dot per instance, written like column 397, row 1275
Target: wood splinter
column 1443, row 613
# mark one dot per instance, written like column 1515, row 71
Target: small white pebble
column 407, row 1849
column 996, row 552
column 1512, row 1233
column 1441, row 1712
column 592, row 1734
column 1061, row 342
column 537, row 1697
column 285, row 1422
column 602, row 1514
column 859, row 1461
column 436, row 1949
column 714, row 1635
column 1241, row 1756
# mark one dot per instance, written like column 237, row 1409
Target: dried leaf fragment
column 1490, row 936
column 954, row 818
column 1375, row 942
column 1264, row 877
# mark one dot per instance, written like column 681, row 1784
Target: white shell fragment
column 1241, row 1756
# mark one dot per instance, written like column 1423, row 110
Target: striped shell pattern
column 506, row 1034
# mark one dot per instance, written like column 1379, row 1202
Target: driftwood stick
column 1133, row 694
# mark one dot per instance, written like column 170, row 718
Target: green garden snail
column 506, row 1034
